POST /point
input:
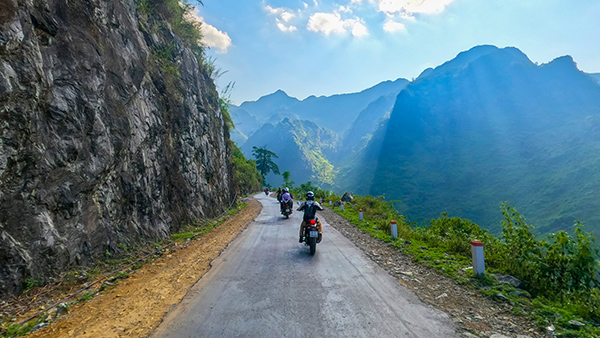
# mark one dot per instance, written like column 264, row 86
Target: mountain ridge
column 336, row 112
column 444, row 126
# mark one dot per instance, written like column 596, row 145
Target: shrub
column 454, row 234
column 245, row 173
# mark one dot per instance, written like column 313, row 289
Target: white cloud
column 285, row 28
column 283, row 16
column 393, row 26
column 272, row 10
column 411, row 6
column 288, row 20
column 287, row 16
column 326, row 23
column 359, row 29
column 211, row 36
column 332, row 23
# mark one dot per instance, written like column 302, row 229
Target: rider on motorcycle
column 285, row 198
column 310, row 208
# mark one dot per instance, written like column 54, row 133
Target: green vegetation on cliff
column 246, row 176
column 177, row 13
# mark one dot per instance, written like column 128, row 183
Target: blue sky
column 325, row 47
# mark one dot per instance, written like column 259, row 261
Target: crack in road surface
column 266, row 284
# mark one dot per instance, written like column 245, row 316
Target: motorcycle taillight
column 312, row 221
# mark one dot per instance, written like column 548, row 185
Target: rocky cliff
column 110, row 133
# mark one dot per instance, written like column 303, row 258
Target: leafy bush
column 300, row 192
column 178, row 13
column 159, row 15
column 557, row 266
column 454, row 234
column 245, row 174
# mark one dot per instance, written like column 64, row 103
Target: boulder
column 347, row 197
column 508, row 279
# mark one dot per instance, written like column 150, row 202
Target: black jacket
column 310, row 209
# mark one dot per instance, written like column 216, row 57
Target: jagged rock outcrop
column 99, row 143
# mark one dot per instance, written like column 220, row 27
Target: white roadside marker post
column 478, row 261
column 342, row 206
column 329, row 202
column 394, row 227
column 360, row 215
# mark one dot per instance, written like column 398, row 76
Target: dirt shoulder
column 471, row 312
column 135, row 306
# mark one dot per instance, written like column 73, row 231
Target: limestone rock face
column 99, row 145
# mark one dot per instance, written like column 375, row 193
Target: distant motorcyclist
column 285, row 198
column 279, row 193
column 310, row 208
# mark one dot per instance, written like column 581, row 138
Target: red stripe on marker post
column 478, row 260
column 476, row 242
column 394, row 227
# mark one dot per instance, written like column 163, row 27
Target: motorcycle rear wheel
column 313, row 245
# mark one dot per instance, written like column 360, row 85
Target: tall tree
column 264, row 163
column 286, row 179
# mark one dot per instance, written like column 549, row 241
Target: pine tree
column 264, row 163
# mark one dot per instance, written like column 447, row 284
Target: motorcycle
column 312, row 235
column 286, row 208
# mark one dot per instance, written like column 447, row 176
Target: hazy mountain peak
column 279, row 92
column 464, row 59
column 565, row 62
column 425, row 73
column 278, row 96
column 476, row 52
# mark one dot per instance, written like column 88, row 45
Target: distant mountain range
column 336, row 112
column 485, row 127
column 303, row 148
column 282, row 123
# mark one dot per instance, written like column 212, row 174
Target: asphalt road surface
column 266, row 284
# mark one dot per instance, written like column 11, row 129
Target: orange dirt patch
column 135, row 306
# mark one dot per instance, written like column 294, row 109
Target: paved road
column 266, row 284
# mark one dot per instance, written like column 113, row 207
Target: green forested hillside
column 487, row 128
column 303, row 149
column 365, row 124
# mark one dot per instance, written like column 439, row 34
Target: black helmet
column 310, row 196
